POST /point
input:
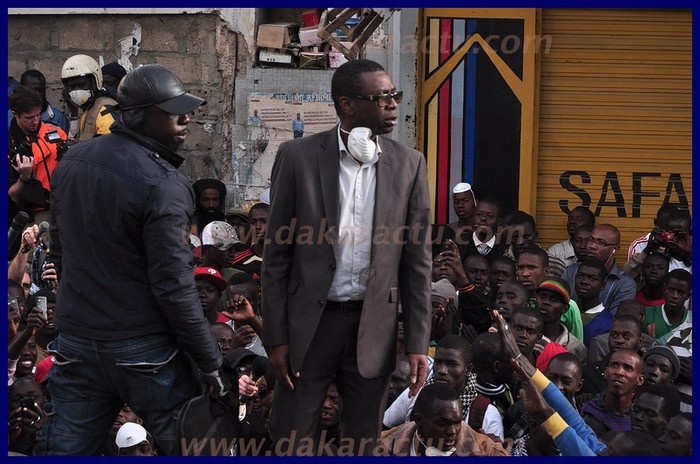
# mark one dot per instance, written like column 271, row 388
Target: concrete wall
column 212, row 51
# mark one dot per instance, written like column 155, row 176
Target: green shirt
column 657, row 324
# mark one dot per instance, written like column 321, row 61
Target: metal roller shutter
column 614, row 117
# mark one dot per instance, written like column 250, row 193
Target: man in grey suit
column 347, row 236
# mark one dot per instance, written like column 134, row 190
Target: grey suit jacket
column 300, row 251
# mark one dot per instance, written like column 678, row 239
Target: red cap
column 549, row 351
column 212, row 275
column 41, row 373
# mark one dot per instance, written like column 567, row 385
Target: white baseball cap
column 130, row 434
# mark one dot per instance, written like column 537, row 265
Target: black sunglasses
column 383, row 99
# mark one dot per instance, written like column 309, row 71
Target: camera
column 26, row 402
column 23, row 149
column 52, row 137
column 41, row 302
column 667, row 236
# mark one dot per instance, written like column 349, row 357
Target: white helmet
column 82, row 65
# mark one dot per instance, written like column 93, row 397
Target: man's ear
column 546, row 272
column 346, row 105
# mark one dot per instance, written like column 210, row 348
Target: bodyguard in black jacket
column 127, row 312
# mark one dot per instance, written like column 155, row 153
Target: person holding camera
column 33, row 149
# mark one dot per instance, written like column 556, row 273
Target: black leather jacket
column 120, row 221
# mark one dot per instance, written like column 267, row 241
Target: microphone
column 43, row 227
column 259, row 368
column 14, row 233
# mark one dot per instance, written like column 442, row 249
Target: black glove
column 654, row 243
column 217, row 383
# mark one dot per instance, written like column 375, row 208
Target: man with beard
column 612, row 409
column 210, row 196
column 625, row 334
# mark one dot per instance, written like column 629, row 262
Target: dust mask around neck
column 361, row 146
column 80, row 97
column 433, row 450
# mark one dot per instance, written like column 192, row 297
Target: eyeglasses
column 600, row 242
column 383, row 99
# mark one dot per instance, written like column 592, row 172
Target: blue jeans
column 91, row 380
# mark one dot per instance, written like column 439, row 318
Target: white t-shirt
column 400, row 412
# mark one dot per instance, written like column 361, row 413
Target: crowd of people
column 147, row 318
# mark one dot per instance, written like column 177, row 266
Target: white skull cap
column 462, row 187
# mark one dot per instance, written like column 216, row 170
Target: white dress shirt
column 356, row 198
column 478, row 243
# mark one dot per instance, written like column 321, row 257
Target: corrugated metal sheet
column 615, row 97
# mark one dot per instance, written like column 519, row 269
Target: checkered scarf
column 467, row 395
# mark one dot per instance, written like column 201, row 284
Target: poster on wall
column 272, row 119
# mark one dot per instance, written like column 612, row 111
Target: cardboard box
column 308, row 37
column 313, row 60
column 272, row 56
column 336, row 59
column 277, row 35
column 311, row 17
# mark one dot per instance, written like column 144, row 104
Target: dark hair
column 682, row 275
column 24, row 99
column 680, row 219
column 505, row 260
column 262, row 206
column 590, row 217
column 596, row 264
column 627, row 318
column 487, row 348
column 669, row 393
column 519, row 287
column 529, row 312
column 521, row 217
column 537, row 251
column 663, row 214
column 638, row 307
column 456, row 342
column 478, row 257
column 662, row 256
column 240, row 278
column 493, row 201
column 566, row 356
column 346, row 79
column 432, row 393
column 222, row 324
column 585, row 228
column 32, row 73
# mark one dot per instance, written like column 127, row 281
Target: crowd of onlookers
column 581, row 348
